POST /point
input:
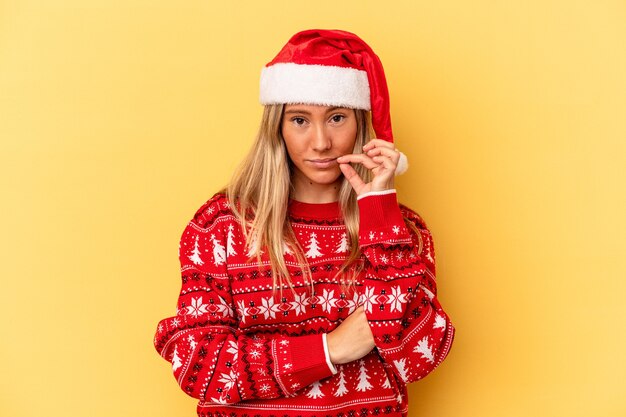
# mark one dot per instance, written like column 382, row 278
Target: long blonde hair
column 259, row 194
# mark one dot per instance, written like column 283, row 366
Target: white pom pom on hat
column 403, row 164
column 330, row 68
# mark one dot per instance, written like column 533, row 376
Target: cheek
column 288, row 140
column 293, row 148
column 350, row 136
column 348, row 141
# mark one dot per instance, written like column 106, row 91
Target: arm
column 410, row 328
column 212, row 359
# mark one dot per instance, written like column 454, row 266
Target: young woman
column 307, row 289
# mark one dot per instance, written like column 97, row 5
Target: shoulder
column 420, row 235
column 211, row 210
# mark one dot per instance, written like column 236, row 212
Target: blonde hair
column 259, row 195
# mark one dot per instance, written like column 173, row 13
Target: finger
column 391, row 153
column 378, row 142
column 353, row 177
column 386, row 163
column 360, row 158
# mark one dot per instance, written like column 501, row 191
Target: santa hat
column 330, row 68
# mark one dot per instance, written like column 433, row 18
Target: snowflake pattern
column 268, row 307
column 299, row 303
column 228, row 379
column 397, row 298
column 243, row 310
column 233, row 349
column 369, row 299
column 327, row 301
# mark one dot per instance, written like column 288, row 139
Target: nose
column 321, row 140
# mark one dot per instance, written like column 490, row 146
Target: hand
column 378, row 155
column 351, row 340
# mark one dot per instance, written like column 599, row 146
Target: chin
column 325, row 178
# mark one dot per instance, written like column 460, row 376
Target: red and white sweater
column 242, row 352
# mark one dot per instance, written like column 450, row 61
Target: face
column 315, row 136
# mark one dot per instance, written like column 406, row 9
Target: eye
column 298, row 121
column 337, row 118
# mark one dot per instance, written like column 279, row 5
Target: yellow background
column 118, row 119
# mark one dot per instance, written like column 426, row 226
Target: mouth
column 323, row 163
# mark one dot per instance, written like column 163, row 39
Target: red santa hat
column 330, row 68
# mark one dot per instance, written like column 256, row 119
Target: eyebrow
column 308, row 113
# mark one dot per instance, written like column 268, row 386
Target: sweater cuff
column 327, row 354
column 299, row 361
column 383, row 192
column 381, row 219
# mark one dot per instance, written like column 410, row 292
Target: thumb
column 353, row 177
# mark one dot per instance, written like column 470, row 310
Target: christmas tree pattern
column 195, row 254
column 230, row 241
column 176, row 363
column 440, row 322
column 341, row 385
column 423, row 348
column 315, row 391
column 401, row 367
column 343, row 244
column 364, row 383
column 253, row 246
column 313, row 247
column 219, row 254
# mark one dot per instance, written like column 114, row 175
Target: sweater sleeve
column 411, row 330
column 211, row 358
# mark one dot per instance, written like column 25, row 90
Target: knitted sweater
column 242, row 352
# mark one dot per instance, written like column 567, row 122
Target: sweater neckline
column 314, row 210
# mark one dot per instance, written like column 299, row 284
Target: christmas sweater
column 242, row 351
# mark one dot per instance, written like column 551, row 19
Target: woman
column 324, row 303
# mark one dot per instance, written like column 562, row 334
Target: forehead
column 311, row 108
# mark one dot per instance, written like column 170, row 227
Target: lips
column 322, row 163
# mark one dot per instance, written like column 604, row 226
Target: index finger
column 378, row 142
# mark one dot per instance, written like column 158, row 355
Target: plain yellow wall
column 118, row 119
